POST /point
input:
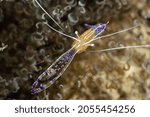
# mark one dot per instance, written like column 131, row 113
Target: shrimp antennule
column 128, row 29
column 55, row 23
column 61, row 32
column 48, row 14
column 112, row 34
column 123, row 47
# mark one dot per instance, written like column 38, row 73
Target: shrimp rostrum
column 80, row 44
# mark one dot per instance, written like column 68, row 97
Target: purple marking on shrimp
column 42, row 88
column 69, row 55
column 48, row 77
column 100, row 28
column 34, row 84
column 97, row 28
column 88, row 25
column 46, row 72
column 35, row 91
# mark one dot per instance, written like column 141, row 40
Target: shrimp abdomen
column 48, row 77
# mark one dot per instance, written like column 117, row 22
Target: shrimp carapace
column 87, row 36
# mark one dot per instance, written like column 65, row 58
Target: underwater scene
column 74, row 49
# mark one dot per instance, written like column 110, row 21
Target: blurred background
column 28, row 47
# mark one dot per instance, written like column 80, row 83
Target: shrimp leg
column 48, row 77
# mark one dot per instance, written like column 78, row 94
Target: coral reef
column 29, row 47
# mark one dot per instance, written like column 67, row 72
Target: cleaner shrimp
column 80, row 44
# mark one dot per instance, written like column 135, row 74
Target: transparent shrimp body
column 81, row 43
column 49, row 76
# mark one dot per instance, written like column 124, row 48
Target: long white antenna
column 48, row 14
column 112, row 34
column 61, row 32
column 55, row 22
column 120, row 48
column 131, row 28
